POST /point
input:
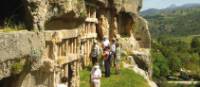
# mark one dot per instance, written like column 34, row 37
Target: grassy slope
column 127, row 78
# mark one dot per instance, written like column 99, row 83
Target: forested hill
column 174, row 21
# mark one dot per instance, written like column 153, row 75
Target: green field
column 127, row 78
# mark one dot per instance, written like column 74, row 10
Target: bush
column 160, row 65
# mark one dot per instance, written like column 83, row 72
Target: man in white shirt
column 96, row 76
column 63, row 82
column 106, row 42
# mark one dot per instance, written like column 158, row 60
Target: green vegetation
column 177, row 85
column 177, row 22
column 175, row 43
column 17, row 67
column 171, row 54
column 10, row 26
column 127, row 78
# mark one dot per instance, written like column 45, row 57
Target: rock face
column 132, row 6
column 68, row 29
column 134, row 66
column 17, row 45
column 41, row 11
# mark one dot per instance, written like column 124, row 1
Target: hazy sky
column 165, row 3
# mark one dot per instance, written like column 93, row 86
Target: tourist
column 107, row 57
column 113, row 49
column 118, row 58
column 106, row 42
column 63, row 82
column 96, row 76
column 95, row 53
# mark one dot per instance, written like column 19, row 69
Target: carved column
column 78, row 73
column 73, row 80
column 67, row 47
column 88, row 59
column 72, row 46
column 66, row 71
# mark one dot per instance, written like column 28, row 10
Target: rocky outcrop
column 133, row 66
column 66, row 26
column 17, row 45
column 32, row 60
column 132, row 6
column 39, row 12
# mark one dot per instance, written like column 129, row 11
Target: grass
column 127, row 78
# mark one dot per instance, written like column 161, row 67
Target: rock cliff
column 65, row 31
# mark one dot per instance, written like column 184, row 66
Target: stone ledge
column 87, row 36
column 67, row 59
column 19, row 44
column 65, row 34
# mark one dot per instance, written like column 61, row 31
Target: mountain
column 174, row 21
column 171, row 8
column 151, row 11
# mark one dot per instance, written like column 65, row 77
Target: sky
column 159, row 4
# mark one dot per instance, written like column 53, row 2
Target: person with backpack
column 107, row 57
column 118, row 58
column 113, row 50
column 95, row 53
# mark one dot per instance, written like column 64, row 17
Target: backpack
column 94, row 52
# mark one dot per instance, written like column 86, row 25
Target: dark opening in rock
column 125, row 24
column 12, row 12
column 9, row 81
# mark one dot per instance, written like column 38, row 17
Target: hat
column 96, row 66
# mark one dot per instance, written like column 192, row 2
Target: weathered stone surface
column 40, row 11
column 17, row 45
column 141, row 32
column 70, row 34
column 132, row 6
column 143, row 60
column 132, row 65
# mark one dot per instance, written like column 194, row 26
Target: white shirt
column 96, row 74
column 62, row 85
column 106, row 43
column 113, row 47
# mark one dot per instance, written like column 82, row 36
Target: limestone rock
column 143, row 60
column 41, row 11
column 141, row 32
column 132, row 6
column 17, row 45
column 133, row 65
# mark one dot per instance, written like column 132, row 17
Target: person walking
column 113, row 49
column 106, row 42
column 96, row 76
column 118, row 58
column 95, row 53
column 107, row 57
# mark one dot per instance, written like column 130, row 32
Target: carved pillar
column 72, row 45
column 78, row 73
column 73, row 80
column 60, row 50
column 66, row 71
column 67, row 47
column 84, row 50
column 88, row 57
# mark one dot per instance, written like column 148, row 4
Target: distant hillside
column 176, row 21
